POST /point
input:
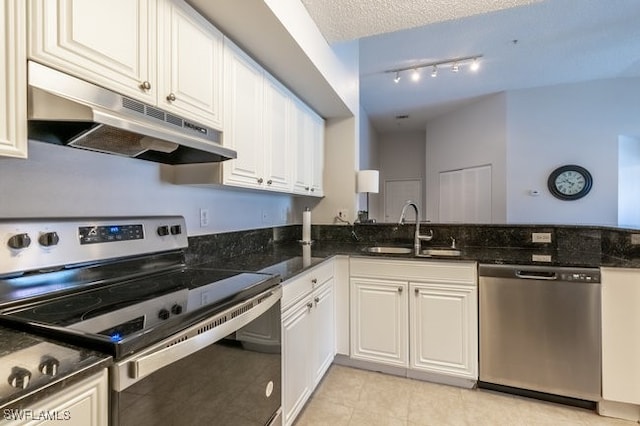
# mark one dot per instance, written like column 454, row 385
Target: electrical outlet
column 204, row 218
column 541, row 237
column 266, row 218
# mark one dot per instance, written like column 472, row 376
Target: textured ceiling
column 341, row 20
column 558, row 42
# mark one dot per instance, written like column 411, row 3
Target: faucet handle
column 453, row 242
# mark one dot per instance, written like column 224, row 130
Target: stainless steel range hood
column 68, row 111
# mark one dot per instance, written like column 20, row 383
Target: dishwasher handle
column 537, row 275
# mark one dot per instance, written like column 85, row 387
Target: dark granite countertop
column 86, row 363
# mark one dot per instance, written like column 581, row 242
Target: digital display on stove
column 110, row 233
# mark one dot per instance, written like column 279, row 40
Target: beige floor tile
column 353, row 397
column 320, row 411
column 366, row 418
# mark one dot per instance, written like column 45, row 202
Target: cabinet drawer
column 301, row 285
column 422, row 270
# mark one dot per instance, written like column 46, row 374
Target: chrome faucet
column 417, row 236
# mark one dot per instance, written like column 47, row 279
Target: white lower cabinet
column 620, row 343
column 308, row 336
column 443, row 324
column 85, row 403
column 418, row 315
column 379, row 321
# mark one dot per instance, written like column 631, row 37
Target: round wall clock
column 570, row 182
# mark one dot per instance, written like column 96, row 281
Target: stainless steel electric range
column 191, row 345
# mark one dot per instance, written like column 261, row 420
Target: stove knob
column 176, row 230
column 163, row 230
column 19, row 241
column 164, row 314
column 49, row 239
column 176, row 309
column 49, row 367
column 19, row 378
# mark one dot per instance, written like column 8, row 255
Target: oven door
column 225, row 370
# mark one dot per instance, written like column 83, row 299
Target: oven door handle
column 163, row 355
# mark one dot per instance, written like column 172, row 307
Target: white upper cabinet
column 309, row 151
column 260, row 125
column 13, row 85
column 190, row 63
column 174, row 62
column 110, row 43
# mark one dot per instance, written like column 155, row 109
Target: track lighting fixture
column 473, row 63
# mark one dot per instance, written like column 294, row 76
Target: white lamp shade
column 368, row 181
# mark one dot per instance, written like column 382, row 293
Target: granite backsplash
column 570, row 245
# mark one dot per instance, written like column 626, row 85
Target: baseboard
column 619, row 410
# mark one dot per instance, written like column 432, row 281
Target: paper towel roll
column 306, row 225
column 306, row 255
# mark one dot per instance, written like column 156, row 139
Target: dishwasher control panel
column 589, row 277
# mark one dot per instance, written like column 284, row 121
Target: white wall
column 369, row 159
column 58, row 181
column 401, row 156
column 471, row 136
column 629, row 182
column 568, row 124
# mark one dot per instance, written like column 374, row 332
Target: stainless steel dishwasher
column 540, row 329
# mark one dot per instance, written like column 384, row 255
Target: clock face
column 570, row 182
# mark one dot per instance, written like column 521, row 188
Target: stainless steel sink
column 389, row 250
column 446, row 252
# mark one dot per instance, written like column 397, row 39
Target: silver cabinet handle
column 171, row 97
column 306, row 188
column 400, row 290
column 313, row 189
column 309, row 305
column 314, row 281
column 269, row 182
column 145, row 85
column 416, row 291
column 317, row 300
column 260, row 180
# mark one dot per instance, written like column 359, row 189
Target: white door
column 13, row 75
column 465, row 195
column 243, row 118
column 190, row 64
column 111, row 43
column 296, row 352
column 379, row 321
column 443, row 332
column 323, row 330
column 396, row 193
column 278, row 135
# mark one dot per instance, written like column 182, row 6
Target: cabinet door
column 303, row 149
column 190, row 55
column 243, row 130
column 444, row 329
column 110, row 43
column 277, row 136
column 317, row 169
column 296, row 353
column 83, row 404
column 13, row 85
column 379, row 321
column 324, row 325
column 621, row 335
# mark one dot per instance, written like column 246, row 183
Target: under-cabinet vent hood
column 68, row 111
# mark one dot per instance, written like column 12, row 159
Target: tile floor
column 347, row 396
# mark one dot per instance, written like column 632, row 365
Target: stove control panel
column 110, row 233
column 39, row 244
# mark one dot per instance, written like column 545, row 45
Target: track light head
column 455, row 67
column 475, row 65
column 434, row 71
column 397, row 77
column 415, row 75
